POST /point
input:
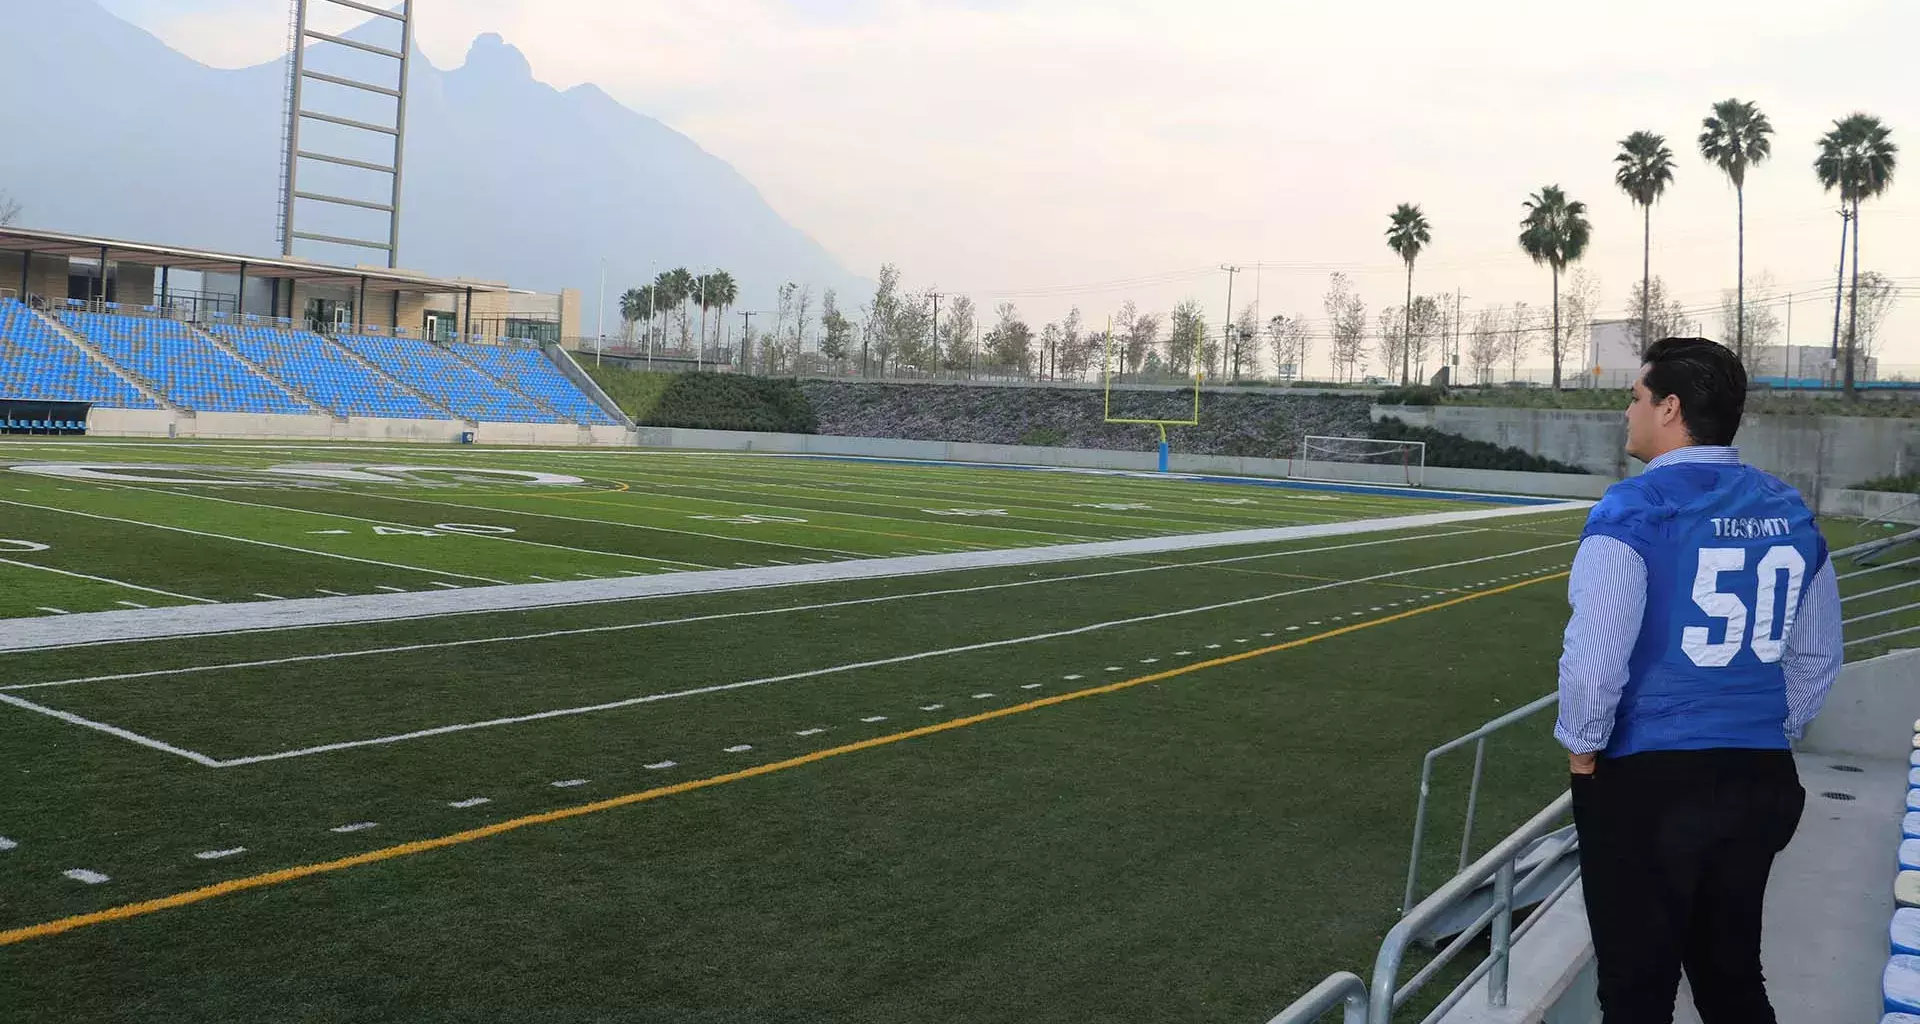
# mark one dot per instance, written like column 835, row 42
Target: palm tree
column 636, row 304
column 1734, row 137
column 673, row 288
column 721, row 292
column 1407, row 232
column 1555, row 232
column 1646, row 169
column 1858, row 158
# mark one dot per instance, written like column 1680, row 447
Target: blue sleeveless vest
column 1729, row 551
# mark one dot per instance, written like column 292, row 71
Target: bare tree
column 1072, row 359
column 1423, row 334
column 1010, row 343
column 1133, row 351
column 1050, row 336
column 882, row 313
column 1484, row 348
column 1577, row 307
column 1762, row 323
column 1877, row 295
column 1393, row 339
column 1346, row 324
column 836, row 330
column 957, row 334
column 1143, row 333
column 9, row 209
column 1243, row 342
column 1522, row 323
column 1666, row 317
column 1186, row 335
column 1290, row 340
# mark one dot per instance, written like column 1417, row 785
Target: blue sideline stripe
column 1242, row 481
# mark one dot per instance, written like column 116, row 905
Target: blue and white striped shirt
column 1608, row 592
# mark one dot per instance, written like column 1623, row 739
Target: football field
column 347, row 733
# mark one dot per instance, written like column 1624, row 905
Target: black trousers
column 1675, row 850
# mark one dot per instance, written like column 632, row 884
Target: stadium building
column 100, row 335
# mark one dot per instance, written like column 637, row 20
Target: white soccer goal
column 1361, row 460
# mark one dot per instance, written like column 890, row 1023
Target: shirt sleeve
column 1815, row 650
column 1608, row 592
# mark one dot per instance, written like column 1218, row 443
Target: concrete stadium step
column 508, row 385
column 135, row 380
column 394, row 380
column 225, row 346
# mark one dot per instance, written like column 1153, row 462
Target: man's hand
column 1582, row 764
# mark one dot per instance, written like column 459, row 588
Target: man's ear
column 1670, row 409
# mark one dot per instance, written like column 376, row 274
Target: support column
column 396, row 311
column 26, row 267
column 103, row 273
column 360, row 305
column 163, row 287
column 466, row 323
column 240, row 296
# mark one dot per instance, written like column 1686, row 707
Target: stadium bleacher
column 1900, row 984
column 38, row 364
column 529, row 370
column 438, row 374
column 323, row 373
column 189, row 370
column 260, row 367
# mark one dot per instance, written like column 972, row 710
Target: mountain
column 109, row 131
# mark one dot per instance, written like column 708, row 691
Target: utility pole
column 746, row 339
column 1787, row 350
column 602, row 329
column 1453, row 373
column 935, row 347
column 1226, row 334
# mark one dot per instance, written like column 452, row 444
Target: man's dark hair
column 1708, row 378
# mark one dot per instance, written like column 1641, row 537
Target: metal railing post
column 1419, row 830
column 1502, row 935
column 1473, row 802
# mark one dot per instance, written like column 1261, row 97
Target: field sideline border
column 284, row 875
column 18, row 635
column 1217, row 478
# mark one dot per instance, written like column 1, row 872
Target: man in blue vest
column 1705, row 635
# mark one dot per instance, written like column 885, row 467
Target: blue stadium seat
column 529, row 370
column 188, row 369
column 435, row 372
column 38, row 363
column 325, row 374
column 1900, row 984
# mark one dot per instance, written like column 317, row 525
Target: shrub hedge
column 1455, row 452
column 708, row 401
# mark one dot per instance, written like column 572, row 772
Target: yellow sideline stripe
column 260, row 881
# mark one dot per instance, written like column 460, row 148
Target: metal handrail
column 1497, row 864
column 1344, row 989
column 1873, row 547
column 1478, row 737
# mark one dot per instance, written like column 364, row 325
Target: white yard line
column 245, row 540
column 623, row 525
column 718, row 616
column 104, row 579
column 410, row 526
column 111, row 730
column 158, row 623
column 849, row 667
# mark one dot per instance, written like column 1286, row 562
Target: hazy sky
column 1085, row 151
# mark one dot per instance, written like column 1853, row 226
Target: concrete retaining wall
column 1871, row 711
column 1878, row 505
column 1813, row 453
column 1546, row 484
